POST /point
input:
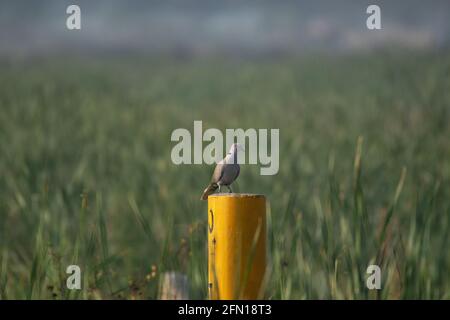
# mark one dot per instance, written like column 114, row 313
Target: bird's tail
column 209, row 190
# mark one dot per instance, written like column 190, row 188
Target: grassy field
column 86, row 176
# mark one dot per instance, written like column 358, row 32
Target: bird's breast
column 230, row 173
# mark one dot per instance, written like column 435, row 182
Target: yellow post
column 236, row 246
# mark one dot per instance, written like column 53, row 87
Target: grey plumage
column 225, row 173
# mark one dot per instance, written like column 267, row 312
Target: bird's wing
column 218, row 172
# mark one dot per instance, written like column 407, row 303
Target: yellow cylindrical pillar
column 236, row 246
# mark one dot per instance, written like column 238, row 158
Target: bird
column 226, row 171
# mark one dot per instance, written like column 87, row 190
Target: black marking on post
column 210, row 285
column 211, row 226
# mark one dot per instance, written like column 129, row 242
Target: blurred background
column 202, row 27
column 86, row 117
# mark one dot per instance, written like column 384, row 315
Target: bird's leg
column 229, row 189
column 219, row 187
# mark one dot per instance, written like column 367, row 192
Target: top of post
column 237, row 195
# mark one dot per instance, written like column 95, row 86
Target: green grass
column 86, row 176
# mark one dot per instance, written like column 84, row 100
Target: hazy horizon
column 198, row 27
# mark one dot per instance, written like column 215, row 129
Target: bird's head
column 235, row 147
